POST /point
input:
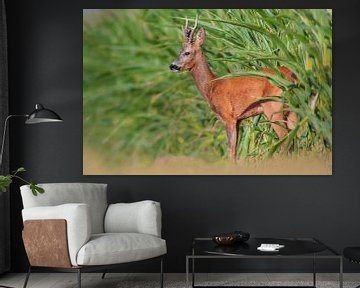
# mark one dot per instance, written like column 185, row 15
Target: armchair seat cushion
column 113, row 248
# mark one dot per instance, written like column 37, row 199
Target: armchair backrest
column 55, row 194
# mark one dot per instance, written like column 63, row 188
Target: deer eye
column 187, row 53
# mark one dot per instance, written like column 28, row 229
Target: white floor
column 116, row 280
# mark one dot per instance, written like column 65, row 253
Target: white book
column 270, row 247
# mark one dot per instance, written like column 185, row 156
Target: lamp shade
column 42, row 115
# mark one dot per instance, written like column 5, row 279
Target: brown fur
column 237, row 98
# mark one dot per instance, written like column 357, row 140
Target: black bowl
column 224, row 239
column 231, row 238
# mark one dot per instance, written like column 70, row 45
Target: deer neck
column 202, row 75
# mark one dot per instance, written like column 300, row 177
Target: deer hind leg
column 291, row 120
column 274, row 112
column 232, row 135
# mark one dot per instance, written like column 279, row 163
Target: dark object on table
column 231, row 238
column 353, row 254
column 242, row 236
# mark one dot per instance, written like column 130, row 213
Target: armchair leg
column 79, row 277
column 103, row 275
column 161, row 273
column 27, row 277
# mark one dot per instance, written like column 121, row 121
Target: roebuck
column 237, row 98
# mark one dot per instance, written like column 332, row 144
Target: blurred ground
column 310, row 164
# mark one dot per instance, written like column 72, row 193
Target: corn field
column 134, row 107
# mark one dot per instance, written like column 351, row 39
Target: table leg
column 193, row 268
column 314, row 271
column 193, row 272
column 187, row 272
column 341, row 273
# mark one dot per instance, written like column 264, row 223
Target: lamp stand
column 4, row 135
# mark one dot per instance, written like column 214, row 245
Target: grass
column 135, row 108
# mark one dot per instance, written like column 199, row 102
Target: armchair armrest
column 77, row 217
column 138, row 217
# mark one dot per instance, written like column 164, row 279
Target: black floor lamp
column 39, row 115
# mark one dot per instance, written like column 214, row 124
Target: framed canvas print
column 207, row 92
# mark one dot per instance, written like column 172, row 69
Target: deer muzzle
column 174, row 67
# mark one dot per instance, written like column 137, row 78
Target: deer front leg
column 232, row 135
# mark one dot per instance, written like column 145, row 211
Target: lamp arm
column 4, row 134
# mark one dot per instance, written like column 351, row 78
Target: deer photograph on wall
column 252, row 92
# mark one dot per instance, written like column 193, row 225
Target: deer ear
column 200, row 36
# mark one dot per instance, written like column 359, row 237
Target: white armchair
column 72, row 228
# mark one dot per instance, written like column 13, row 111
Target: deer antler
column 193, row 28
column 186, row 23
column 188, row 32
column 196, row 22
